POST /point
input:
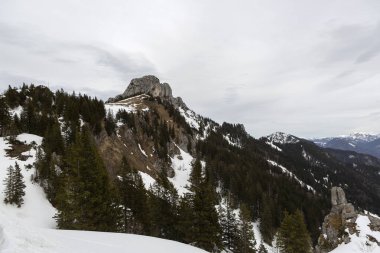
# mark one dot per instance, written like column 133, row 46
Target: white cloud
column 305, row 67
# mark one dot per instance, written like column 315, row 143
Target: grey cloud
column 310, row 78
column 123, row 64
column 357, row 43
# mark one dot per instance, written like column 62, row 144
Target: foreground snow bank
column 63, row 241
column 30, row 229
column 364, row 241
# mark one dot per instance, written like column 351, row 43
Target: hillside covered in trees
column 146, row 165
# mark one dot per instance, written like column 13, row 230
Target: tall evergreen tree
column 133, row 200
column 163, row 206
column 14, row 186
column 9, row 185
column 185, row 221
column 85, row 201
column 293, row 236
column 247, row 240
column 205, row 223
column 19, row 186
column 229, row 227
column 5, row 117
column 266, row 220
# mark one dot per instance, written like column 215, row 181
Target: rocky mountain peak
column 149, row 85
column 282, row 138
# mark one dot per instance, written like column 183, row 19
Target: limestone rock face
column 149, row 85
column 338, row 197
column 342, row 217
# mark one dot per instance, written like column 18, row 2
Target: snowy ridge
column 191, row 117
column 353, row 139
column 282, row 138
column 273, row 146
column 290, row 174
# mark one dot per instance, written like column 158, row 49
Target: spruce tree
column 85, row 200
column 247, row 240
column 229, row 227
column 9, row 185
column 5, row 117
column 19, row 186
column 205, row 224
column 266, row 220
column 163, row 205
column 185, row 221
column 14, row 186
column 132, row 197
column 293, row 236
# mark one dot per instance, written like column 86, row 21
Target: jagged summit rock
column 338, row 197
column 149, row 85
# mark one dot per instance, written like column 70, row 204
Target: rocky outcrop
column 149, row 85
column 338, row 224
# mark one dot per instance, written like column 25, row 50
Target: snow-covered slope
column 31, row 228
column 365, row 240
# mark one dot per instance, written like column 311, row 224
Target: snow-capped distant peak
column 282, row 138
column 366, row 137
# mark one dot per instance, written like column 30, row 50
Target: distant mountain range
column 358, row 142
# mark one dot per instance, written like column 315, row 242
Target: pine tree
column 5, row 117
column 293, row 236
column 19, row 186
column 14, row 186
column 266, row 220
column 195, row 176
column 163, row 205
column 110, row 124
column 229, row 227
column 9, row 185
column 132, row 197
column 85, row 200
column 247, row 240
column 185, row 221
column 205, row 224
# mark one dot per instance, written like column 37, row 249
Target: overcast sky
column 306, row 67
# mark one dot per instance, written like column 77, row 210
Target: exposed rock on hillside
column 150, row 85
column 338, row 224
